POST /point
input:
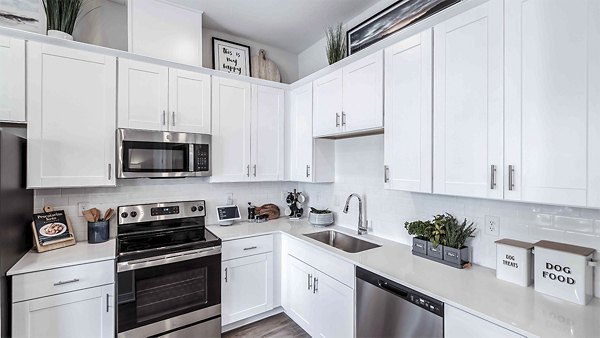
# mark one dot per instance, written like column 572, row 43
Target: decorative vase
column 320, row 219
column 60, row 34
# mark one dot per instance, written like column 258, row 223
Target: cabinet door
column 189, row 101
column 460, row 324
column 334, row 307
column 327, row 104
column 231, row 115
column 468, row 103
column 12, row 86
column 143, row 95
column 301, row 134
column 550, row 74
column 71, row 98
column 84, row 313
column 301, row 300
column 247, row 287
column 363, row 94
column 267, row 133
column 408, row 119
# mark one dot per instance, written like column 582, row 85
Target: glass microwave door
column 155, row 157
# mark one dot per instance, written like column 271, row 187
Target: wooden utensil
column 96, row 214
column 108, row 214
column 89, row 215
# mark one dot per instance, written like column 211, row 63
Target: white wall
column 314, row 58
column 105, row 25
column 387, row 210
column 286, row 61
column 136, row 191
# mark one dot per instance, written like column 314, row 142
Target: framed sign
column 231, row 57
column 399, row 15
column 23, row 14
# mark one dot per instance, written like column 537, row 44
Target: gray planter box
column 435, row 252
column 456, row 256
column 419, row 246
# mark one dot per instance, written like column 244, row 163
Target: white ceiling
column 292, row 25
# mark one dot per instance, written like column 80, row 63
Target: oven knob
column 133, row 214
column 124, row 215
column 200, row 208
column 193, row 209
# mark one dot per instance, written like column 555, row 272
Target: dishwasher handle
column 390, row 288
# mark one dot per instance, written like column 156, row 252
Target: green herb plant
column 336, row 43
column 61, row 15
column 317, row 211
column 444, row 229
column 420, row 229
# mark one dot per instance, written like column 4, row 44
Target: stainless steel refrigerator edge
column 16, row 208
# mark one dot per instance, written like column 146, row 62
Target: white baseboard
column 253, row 319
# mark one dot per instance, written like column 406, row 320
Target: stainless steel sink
column 342, row 241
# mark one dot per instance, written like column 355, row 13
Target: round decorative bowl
column 320, row 219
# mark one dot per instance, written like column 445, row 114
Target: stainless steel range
column 169, row 272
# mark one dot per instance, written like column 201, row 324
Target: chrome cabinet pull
column 315, row 285
column 173, row 122
column 337, row 119
column 254, row 170
column 107, row 302
column 309, row 279
column 226, row 281
column 164, row 118
column 343, row 119
column 248, row 170
column 493, row 176
column 61, row 282
column 250, row 248
column 386, row 174
column 511, row 177
column 109, row 171
column 307, row 170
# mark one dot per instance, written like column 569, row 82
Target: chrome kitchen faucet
column 362, row 230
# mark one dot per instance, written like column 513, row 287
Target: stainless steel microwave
column 156, row 154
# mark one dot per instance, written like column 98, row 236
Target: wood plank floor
column 278, row 326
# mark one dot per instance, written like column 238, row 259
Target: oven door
column 170, row 294
column 155, row 154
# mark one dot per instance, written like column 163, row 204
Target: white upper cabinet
column 143, row 95
column 408, row 113
column 154, row 97
column 189, row 101
column 71, row 99
column 301, row 129
column 468, row 103
column 552, row 86
column 327, row 104
column 267, row 142
column 12, row 85
column 231, row 116
column 349, row 99
column 363, row 94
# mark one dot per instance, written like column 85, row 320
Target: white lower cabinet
column 247, row 287
column 319, row 302
column 460, row 324
column 78, row 301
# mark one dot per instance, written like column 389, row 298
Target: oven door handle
column 167, row 259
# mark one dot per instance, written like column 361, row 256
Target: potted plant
column 61, row 16
column 336, row 43
column 421, row 231
column 457, row 234
column 437, row 237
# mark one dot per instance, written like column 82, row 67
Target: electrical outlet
column 82, row 206
column 492, row 225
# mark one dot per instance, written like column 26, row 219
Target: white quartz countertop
column 80, row 253
column 475, row 290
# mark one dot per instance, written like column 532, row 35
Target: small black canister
column 98, row 231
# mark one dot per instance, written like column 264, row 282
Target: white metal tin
column 514, row 261
column 564, row 271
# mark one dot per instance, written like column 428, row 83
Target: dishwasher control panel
column 431, row 305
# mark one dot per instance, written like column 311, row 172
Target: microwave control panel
column 201, row 158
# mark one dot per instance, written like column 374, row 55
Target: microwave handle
column 192, row 158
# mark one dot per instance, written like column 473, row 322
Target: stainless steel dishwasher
column 388, row 309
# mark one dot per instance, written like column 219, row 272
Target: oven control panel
column 160, row 211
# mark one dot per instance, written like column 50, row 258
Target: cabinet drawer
column 247, row 246
column 322, row 261
column 55, row 281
